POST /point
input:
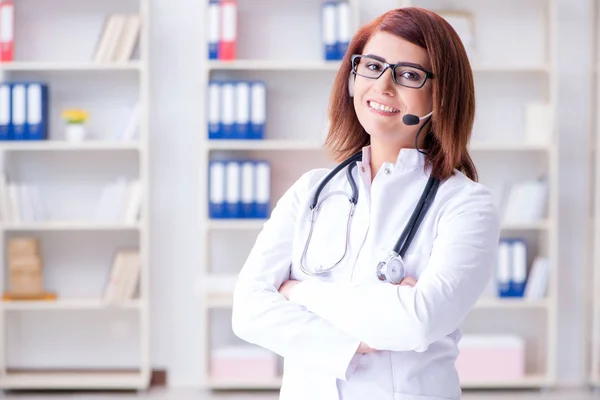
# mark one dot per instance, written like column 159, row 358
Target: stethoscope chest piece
column 391, row 270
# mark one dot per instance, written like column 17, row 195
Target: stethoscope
column 392, row 269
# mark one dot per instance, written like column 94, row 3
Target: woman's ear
column 351, row 84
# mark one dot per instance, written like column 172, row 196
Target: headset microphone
column 411, row 119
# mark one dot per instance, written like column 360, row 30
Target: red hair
column 449, row 129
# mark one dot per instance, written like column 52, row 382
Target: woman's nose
column 386, row 84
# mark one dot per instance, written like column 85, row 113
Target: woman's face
column 381, row 103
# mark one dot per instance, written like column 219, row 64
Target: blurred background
column 144, row 142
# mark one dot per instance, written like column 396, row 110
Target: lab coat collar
column 407, row 158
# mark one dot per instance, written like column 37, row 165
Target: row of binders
column 512, row 279
column 239, row 189
column 23, row 111
column 222, row 30
column 336, row 29
column 237, row 109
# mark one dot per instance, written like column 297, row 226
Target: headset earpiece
column 351, row 84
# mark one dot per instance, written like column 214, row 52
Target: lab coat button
column 387, row 171
column 362, row 169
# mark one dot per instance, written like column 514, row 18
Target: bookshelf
column 293, row 144
column 78, row 250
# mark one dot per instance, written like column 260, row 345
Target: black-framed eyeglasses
column 403, row 74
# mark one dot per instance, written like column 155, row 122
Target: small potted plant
column 75, row 120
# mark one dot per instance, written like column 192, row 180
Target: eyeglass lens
column 403, row 75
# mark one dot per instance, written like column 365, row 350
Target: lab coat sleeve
column 404, row 318
column 264, row 317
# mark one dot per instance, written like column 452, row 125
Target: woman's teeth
column 380, row 107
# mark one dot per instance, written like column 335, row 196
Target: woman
column 368, row 329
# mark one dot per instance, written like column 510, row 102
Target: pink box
column 243, row 363
column 491, row 358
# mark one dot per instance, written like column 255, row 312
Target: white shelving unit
column 593, row 297
column 534, row 64
column 78, row 245
column 293, row 144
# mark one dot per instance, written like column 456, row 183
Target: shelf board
column 273, row 65
column 225, row 300
column 220, row 384
column 235, row 224
column 68, row 226
column 532, row 381
column 257, row 224
column 265, row 144
column 510, row 303
column 292, row 144
column 319, row 65
column 544, row 68
column 60, row 145
column 66, row 304
column 69, row 66
column 73, row 380
column 219, row 300
column 529, row 381
column 526, row 226
column 481, row 146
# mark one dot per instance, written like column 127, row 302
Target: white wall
column 176, row 312
column 574, row 36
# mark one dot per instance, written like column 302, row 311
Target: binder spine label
column 5, row 106
column 242, row 116
column 216, row 190
column 248, row 198
column 19, row 112
column 214, row 105
column 227, row 110
column 263, row 189
column 232, row 189
column 213, row 30
column 258, row 115
column 328, row 28
column 344, row 33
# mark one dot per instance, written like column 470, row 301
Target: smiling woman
column 362, row 292
column 429, row 72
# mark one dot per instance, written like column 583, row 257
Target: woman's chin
column 387, row 134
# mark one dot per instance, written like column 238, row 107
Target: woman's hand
column 286, row 287
column 364, row 349
column 408, row 281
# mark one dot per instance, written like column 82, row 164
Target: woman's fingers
column 408, row 281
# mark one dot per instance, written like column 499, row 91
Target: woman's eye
column 409, row 75
column 374, row 66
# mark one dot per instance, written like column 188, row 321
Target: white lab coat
column 416, row 329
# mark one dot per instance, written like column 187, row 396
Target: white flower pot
column 75, row 132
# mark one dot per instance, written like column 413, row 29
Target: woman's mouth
column 381, row 108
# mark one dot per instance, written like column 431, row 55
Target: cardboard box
column 23, row 246
column 26, row 282
column 25, row 263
